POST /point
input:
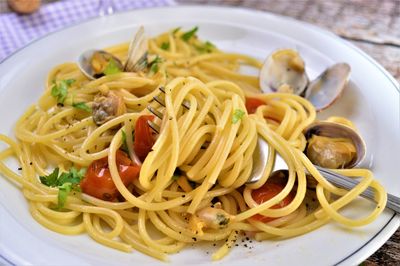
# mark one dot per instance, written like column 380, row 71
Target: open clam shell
column 336, row 130
column 283, row 71
column 325, row 89
column 85, row 59
column 137, row 53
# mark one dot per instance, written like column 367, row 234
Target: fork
column 260, row 158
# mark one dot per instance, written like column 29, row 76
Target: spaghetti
column 205, row 133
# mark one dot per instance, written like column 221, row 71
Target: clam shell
column 327, row 87
column 137, row 53
column 84, row 62
column 335, row 130
column 283, row 67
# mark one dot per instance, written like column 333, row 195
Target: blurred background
column 372, row 25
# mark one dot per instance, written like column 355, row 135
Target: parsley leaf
column 51, row 179
column 237, row 115
column 66, row 182
column 207, row 47
column 124, row 143
column 154, row 64
column 63, row 192
column 83, row 106
column 176, row 30
column 165, row 45
column 189, row 34
column 111, row 68
column 60, row 90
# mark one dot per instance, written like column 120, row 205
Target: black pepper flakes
column 194, row 239
column 30, row 163
column 19, row 168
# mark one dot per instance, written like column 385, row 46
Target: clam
column 106, row 107
column 284, row 71
column 93, row 62
column 334, row 145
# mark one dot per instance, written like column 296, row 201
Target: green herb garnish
column 111, row 68
column 207, row 47
column 154, row 64
column 165, row 45
column 176, row 30
column 124, row 143
column 60, row 90
column 189, row 34
column 65, row 182
column 83, row 106
column 237, row 115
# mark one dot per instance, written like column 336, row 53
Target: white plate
column 372, row 101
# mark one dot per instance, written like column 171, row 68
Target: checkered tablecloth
column 18, row 30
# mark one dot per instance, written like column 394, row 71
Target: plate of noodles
column 148, row 153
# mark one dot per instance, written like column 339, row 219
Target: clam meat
column 334, row 145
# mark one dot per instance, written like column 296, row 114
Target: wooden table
column 372, row 25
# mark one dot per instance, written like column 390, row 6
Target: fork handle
column 345, row 182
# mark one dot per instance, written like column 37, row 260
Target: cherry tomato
column 143, row 137
column 252, row 104
column 267, row 192
column 98, row 182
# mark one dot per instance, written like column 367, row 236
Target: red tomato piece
column 98, row 182
column 267, row 192
column 144, row 140
column 252, row 104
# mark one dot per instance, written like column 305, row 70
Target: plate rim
column 392, row 224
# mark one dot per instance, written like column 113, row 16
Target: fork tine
column 159, row 100
column 154, row 126
column 185, row 103
column 155, row 112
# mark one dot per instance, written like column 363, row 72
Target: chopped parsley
column 65, row 182
column 124, row 143
column 207, row 47
column 165, row 45
column 154, row 64
column 237, row 115
column 60, row 90
column 176, row 30
column 111, row 68
column 189, row 34
column 82, row 106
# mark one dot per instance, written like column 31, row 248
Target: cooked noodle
column 215, row 154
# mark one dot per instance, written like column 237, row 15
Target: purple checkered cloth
column 18, row 30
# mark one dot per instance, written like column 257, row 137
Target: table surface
column 372, row 25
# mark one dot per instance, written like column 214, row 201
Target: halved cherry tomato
column 267, row 192
column 144, row 140
column 98, row 182
column 252, row 104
